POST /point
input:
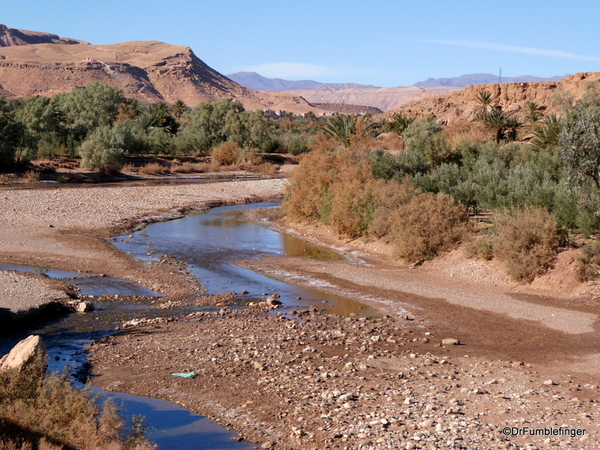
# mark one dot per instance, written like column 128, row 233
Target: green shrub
column 527, row 241
column 428, row 225
column 105, row 149
column 425, row 137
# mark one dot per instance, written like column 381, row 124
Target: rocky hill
column 11, row 36
column 511, row 97
column 144, row 70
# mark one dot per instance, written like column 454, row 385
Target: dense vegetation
column 97, row 124
column 470, row 182
column 476, row 183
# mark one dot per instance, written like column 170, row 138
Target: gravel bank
column 326, row 382
column 21, row 292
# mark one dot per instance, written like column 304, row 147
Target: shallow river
column 209, row 243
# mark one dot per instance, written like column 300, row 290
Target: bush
column 51, row 414
column 353, row 195
column 425, row 138
column 527, row 241
column 388, row 198
column 385, row 165
column 105, row 150
column 307, row 195
column 428, row 225
column 227, row 154
column 588, row 262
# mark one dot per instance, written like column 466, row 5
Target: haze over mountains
column 256, row 81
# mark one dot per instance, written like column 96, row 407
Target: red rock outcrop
column 511, row 97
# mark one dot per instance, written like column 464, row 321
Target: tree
column 425, row 138
column 341, row 128
column 579, row 142
column 105, row 149
column 534, row 113
column 548, row 134
column 91, row 106
column 178, row 109
column 11, row 134
column 485, row 105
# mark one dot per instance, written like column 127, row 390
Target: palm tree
column 485, row 107
column 547, row 135
column 496, row 121
column 512, row 126
column 178, row 109
column 534, row 113
column 341, row 128
column 399, row 123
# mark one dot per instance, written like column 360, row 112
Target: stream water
column 209, row 243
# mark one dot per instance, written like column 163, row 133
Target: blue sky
column 381, row 42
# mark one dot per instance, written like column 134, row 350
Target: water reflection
column 211, row 243
column 172, row 427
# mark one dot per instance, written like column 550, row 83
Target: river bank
column 67, row 228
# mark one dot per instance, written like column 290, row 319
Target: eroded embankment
column 27, row 299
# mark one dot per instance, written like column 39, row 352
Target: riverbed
column 209, row 244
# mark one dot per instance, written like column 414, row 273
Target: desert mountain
column 480, row 78
column 11, row 36
column 384, row 99
column 256, row 81
column 253, row 80
column 511, row 97
column 144, row 70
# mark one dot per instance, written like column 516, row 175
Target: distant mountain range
column 481, row 78
column 253, row 80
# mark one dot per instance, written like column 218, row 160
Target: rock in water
column 85, row 306
column 23, row 353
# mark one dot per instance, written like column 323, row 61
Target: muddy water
column 210, row 243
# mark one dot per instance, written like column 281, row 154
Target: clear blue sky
column 381, row 42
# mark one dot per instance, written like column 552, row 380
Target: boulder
column 450, row 341
column 85, row 306
column 23, row 353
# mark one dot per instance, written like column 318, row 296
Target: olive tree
column 579, row 142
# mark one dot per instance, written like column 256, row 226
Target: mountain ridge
column 13, row 37
column 37, row 63
column 482, row 78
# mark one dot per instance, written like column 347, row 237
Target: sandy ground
column 329, row 382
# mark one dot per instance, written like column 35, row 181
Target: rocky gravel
column 20, row 292
column 320, row 381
